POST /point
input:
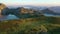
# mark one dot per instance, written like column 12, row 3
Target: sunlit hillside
column 38, row 25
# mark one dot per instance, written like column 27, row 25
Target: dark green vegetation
column 37, row 25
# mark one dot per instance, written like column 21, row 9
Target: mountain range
column 55, row 9
column 30, row 10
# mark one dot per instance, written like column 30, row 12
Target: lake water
column 51, row 15
column 8, row 17
column 48, row 14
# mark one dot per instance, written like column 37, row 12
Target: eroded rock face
column 2, row 6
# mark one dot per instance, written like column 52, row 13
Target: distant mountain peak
column 56, row 9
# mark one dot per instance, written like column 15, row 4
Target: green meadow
column 37, row 25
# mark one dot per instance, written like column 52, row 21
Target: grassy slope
column 30, row 25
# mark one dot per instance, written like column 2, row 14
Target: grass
column 40, row 25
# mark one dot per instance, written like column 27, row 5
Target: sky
column 32, row 2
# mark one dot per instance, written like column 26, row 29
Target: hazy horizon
column 32, row 2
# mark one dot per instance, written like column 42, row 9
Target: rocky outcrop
column 2, row 6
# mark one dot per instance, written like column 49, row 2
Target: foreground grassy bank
column 40, row 25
